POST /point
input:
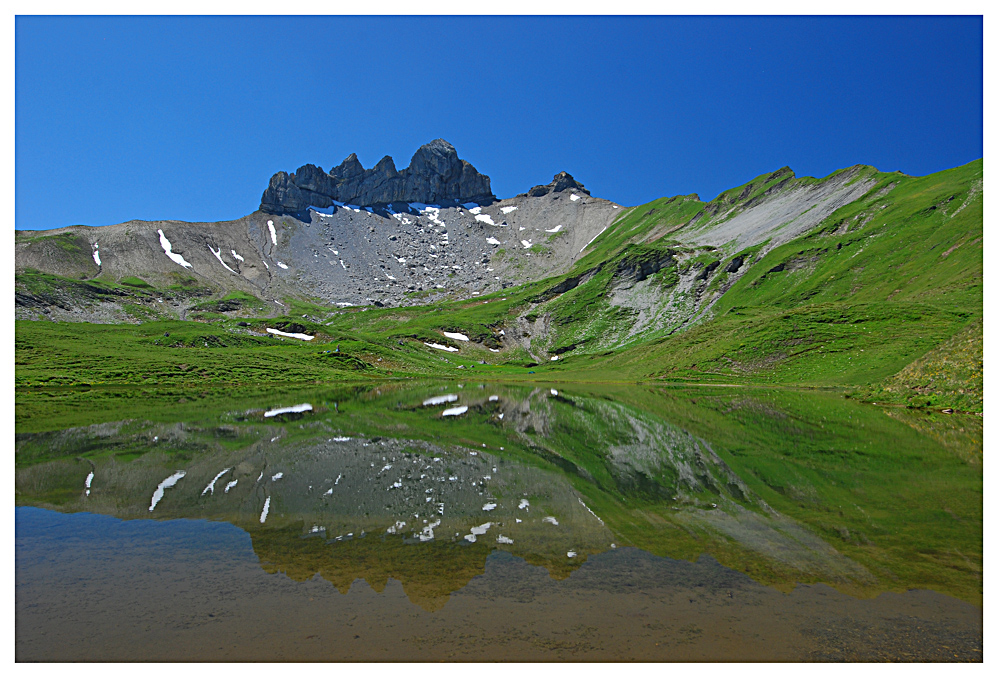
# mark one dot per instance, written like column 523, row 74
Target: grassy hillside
column 874, row 297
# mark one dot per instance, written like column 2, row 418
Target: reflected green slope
column 787, row 486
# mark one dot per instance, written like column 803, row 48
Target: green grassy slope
column 869, row 291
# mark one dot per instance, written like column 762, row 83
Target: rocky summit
column 435, row 175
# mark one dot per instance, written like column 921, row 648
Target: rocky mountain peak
column 435, row 175
column 562, row 181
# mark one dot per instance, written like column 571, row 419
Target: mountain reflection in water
column 378, row 485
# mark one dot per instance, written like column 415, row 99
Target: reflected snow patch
column 441, row 346
column 503, row 540
column 489, row 506
column 169, row 482
column 86, row 484
column 230, row 486
column 304, row 407
column 440, row 400
column 550, row 519
column 211, row 485
column 266, row 510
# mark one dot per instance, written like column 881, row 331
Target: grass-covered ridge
column 869, row 299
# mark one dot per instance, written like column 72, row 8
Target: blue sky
column 187, row 118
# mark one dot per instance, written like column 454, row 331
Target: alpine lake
column 410, row 521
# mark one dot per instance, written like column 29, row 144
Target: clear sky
column 187, row 118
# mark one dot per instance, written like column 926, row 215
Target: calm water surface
column 483, row 522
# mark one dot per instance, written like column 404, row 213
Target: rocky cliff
column 435, row 175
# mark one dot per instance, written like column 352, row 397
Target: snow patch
column 503, row 540
column 277, row 476
column 574, row 197
column 524, row 504
column 454, row 411
column 526, row 244
column 236, row 256
column 284, row 266
column 492, row 241
column 266, row 510
column 273, row 233
column 554, row 230
column 218, row 255
column 293, row 335
column 96, row 254
column 456, row 335
column 507, row 210
column 485, row 218
column 168, row 248
column 230, row 485
column 591, row 241
column 489, row 506
column 493, row 398
column 550, row 519
column 86, row 484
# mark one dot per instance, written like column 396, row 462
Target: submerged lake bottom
column 96, row 588
column 469, row 522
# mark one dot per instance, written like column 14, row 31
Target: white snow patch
column 341, row 439
column 230, row 485
column 454, row 411
column 169, row 482
column 494, row 350
column 524, row 504
column 340, row 476
column 492, row 241
column 293, row 335
column 211, row 485
column 474, row 210
column 485, row 218
column 86, row 484
column 554, row 357
column 441, row 346
column 399, row 524
column 282, row 265
column 502, row 414
column 554, row 391
column 343, row 265
column 550, row 519
column 575, row 197
column 277, row 476
column 456, row 335
column 503, row 540
column 526, row 244
column 236, row 256
column 267, row 265
column 440, row 400
column 266, row 510
column 493, row 398
column 96, row 254
column 489, row 506
column 572, row 554
column 554, row 230
column 591, row 241
column 273, row 233
column 168, row 248
column 507, row 210
column 218, row 255
column 304, row 407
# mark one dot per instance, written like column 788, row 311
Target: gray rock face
column 562, row 181
column 435, row 175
